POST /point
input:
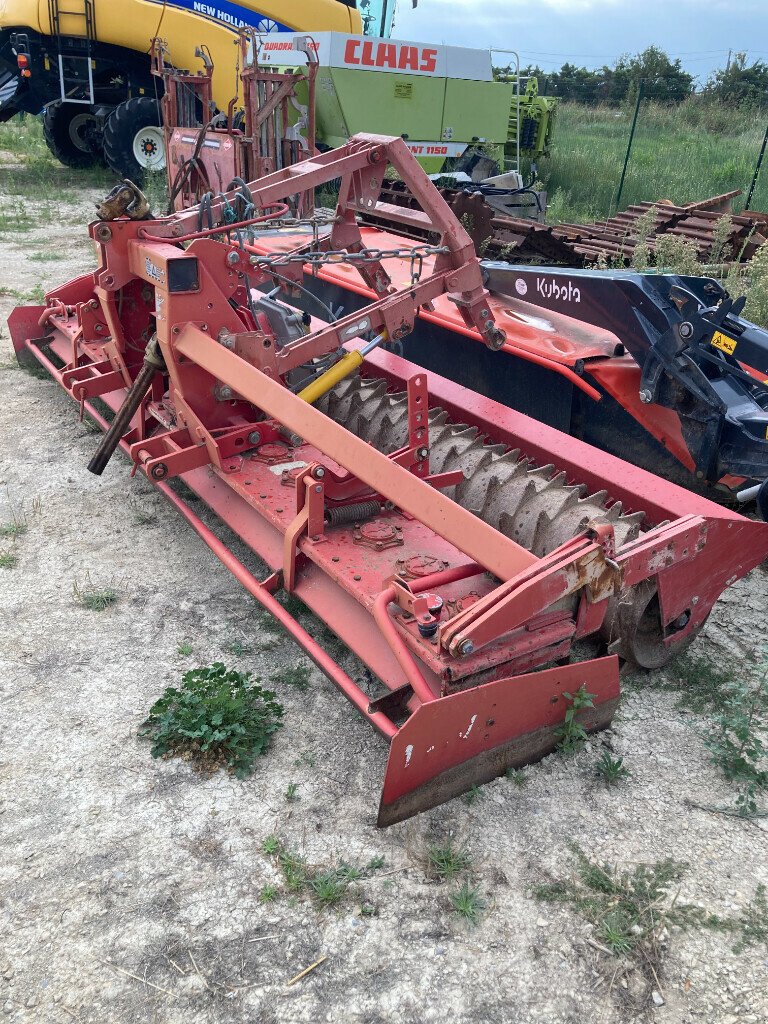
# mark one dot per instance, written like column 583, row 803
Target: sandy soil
column 129, row 888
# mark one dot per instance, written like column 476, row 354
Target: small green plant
column 753, row 922
column 329, row 887
column 218, row 716
column 16, row 528
column 447, row 861
column 737, row 746
column 293, row 867
column 375, row 863
column 45, row 256
column 631, row 910
column 572, row 735
column 612, row 769
column 616, row 933
column 349, row 873
column 292, row 792
column 184, row 649
column 297, row 677
column 270, row 845
column 306, row 759
column 468, row 902
column 8, row 560
column 237, row 646
column 268, row 893
column 703, row 687
column 472, row 794
column 517, row 777
column 95, row 599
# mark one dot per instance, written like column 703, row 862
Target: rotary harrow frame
column 469, row 632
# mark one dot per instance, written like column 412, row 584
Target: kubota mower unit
column 658, row 368
column 458, row 548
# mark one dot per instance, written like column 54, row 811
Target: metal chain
column 414, row 255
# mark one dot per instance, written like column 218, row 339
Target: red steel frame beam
column 460, row 527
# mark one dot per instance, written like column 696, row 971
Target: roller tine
column 511, row 455
column 633, row 519
column 558, row 480
column 491, row 498
column 571, row 501
column 614, row 512
column 598, row 498
column 543, row 471
column 470, row 433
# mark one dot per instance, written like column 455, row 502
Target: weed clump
column 8, row 560
column 297, row 676
column 95, row 599
column 327, row 887
column 216, row 717
column 446, row 861
column 738, row 747
column 467, row 902
column 612, row 770
column 632, row 911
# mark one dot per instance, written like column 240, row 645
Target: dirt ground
column 130, row 888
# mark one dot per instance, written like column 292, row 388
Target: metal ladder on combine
column 511, row 74
column 74, row 29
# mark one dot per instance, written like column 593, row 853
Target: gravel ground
column 130, row 888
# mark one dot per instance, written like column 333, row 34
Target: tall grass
column 31, row 171
column 682, row 153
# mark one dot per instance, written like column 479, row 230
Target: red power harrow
column 457, row 547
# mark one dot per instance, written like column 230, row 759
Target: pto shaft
column 153, row 362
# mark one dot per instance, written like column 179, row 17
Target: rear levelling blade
column 468, row 738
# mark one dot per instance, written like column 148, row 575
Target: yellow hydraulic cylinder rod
column 343, row 368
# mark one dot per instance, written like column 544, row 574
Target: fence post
column 629, row 144
column 758, row 165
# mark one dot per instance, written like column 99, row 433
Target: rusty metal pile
column 615, row 239
column 612, row 241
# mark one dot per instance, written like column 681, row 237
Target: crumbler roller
column 457, row 547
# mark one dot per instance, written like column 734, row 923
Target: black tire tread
column 121, row 127
column 64, row 151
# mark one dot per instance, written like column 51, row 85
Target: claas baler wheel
column 534, row 506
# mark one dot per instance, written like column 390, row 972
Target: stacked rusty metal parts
column 457, row 547
column 613, row 241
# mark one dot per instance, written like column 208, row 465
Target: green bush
column 217, row 716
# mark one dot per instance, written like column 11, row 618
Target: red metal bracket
column 175, row 452
column 310, row 519
column 580, row 563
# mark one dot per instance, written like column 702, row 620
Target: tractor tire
column 71, row 135
column 133, row 139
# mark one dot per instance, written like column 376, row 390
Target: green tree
column 741, row 84
column 663, row 80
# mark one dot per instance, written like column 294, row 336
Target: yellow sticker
column 724, row 344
